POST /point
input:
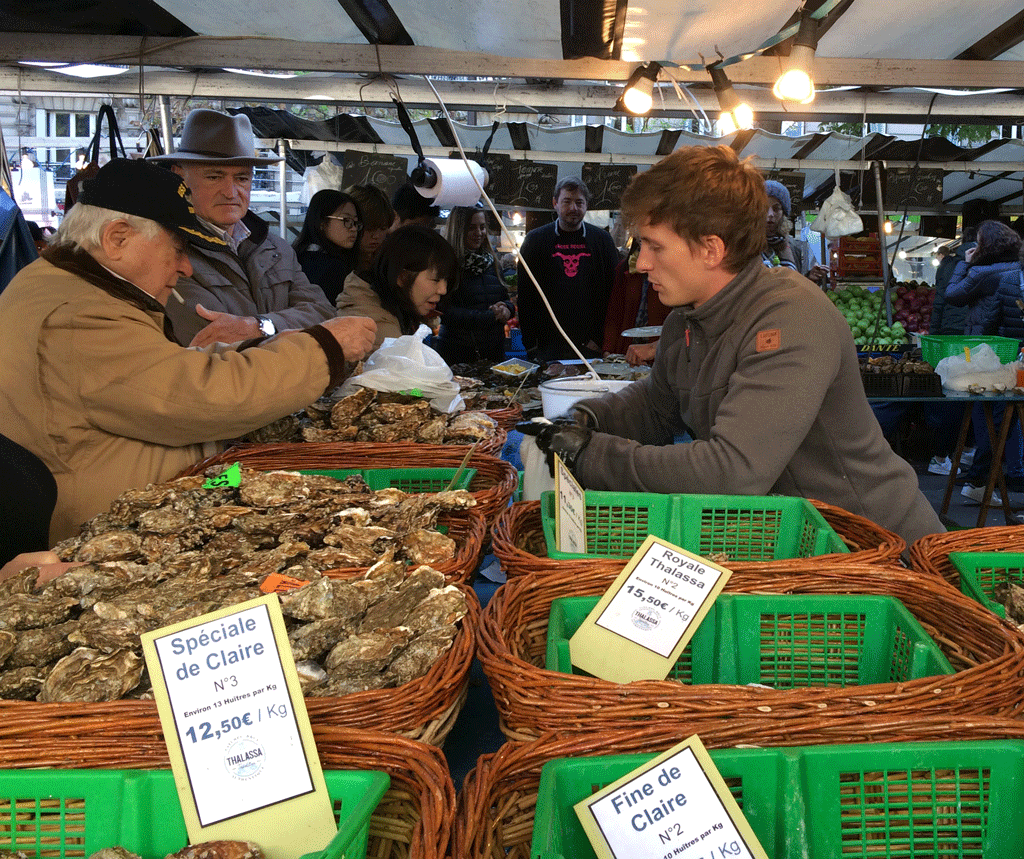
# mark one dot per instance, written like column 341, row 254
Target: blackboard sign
column 940, row 226
column 499, row 174
column 386, row 172
column 606, row 182
column 794, row 183
column 532, row 184
column 926, row 192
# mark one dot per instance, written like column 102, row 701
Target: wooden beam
column 205, row 52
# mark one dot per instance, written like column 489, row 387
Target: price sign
column 571, row 512
column 677, row 806
column 386, row 172
column 237, row 731
column 642, row 623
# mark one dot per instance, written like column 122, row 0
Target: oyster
column 40, row 647
column 110, row 635
column 346, row 410
column 7, row 642
column 283, row 429
column 433, row 431
column 110, row 546
column 21, row 684
column 219, row 850
column 365, row 652
column 421, row 654
column 311, row 676
column 427, row 547
column 22, row 583
column 394, row 608
column 441, row 607
column 90, row 675
column 272, row 488
column 114, row 853
column 470, row 427
column 313, row 640
column 30, row 611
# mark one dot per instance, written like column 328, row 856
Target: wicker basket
column 424, row 709
column 986, row 652
column 518, row 540
column 507, row 417
column 499, row 796
column 492, row 485
column 412, row 821
column 930, row 554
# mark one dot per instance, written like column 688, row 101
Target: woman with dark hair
column 326, row 246
column 407, row 278
column 473, row 316
column 378, row 216
column 975, row 285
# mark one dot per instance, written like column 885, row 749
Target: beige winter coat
column 90, row 383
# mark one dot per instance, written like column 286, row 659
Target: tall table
column 996, row 436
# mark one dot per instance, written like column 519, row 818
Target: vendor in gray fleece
column 756, row 363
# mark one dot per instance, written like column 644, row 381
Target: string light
column 638, row 96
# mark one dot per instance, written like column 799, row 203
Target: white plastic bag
column 326, row 174
column 836, row 216
column 408, row 364
column 984, row 370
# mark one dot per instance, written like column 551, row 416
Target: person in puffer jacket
column 975, row 284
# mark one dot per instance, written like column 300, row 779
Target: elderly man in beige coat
column 91, row 380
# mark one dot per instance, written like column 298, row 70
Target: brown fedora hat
column 214, row 137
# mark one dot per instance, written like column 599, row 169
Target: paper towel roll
column 455, row 185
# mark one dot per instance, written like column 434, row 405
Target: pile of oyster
column 375, row 416
column 174, row 551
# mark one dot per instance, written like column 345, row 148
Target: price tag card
column 644, row 620
column 570, row 511
column 677, row 806
column 234, row 718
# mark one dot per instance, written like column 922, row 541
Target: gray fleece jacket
column 764, row 375
column 263, row 279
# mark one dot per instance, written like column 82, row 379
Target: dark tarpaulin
column 17, row 249
column 593, row 28
column 341, row 128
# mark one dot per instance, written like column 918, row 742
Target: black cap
column 135, row 187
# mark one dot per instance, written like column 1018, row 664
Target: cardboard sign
column 677, row 806
column 643, row 622
column 570, row 511
column 234, row 718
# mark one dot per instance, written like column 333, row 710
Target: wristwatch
column 267, row 328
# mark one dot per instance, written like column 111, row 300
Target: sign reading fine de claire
column 233, row 714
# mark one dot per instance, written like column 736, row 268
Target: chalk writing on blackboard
column 606, row 182
column 533, row 184
column 387, row 172
column 924, row 193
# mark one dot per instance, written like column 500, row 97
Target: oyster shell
column 7, row 642
column 365, row 653
column 90, row 675
column 427, row 547
column 41, row 647
column 312, row 640
column 346, row 410
column 441, row 607
column 420, row 655
column 394, row 608
column 30, row 611
column 110, row 546
column 219, row 850
column 21, row 684
column 311, row 675
column 114, row 853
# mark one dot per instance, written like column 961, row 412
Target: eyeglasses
column 347, row 223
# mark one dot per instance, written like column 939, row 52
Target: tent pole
column 882, row 244
column 282, row 175
column 165, row 124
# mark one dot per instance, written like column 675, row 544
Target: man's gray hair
column 83, row 226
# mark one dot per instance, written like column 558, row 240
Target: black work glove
column 564, row 436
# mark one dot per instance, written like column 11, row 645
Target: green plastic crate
column 785, row 641
column 935, row 347
column 743, row 527
column 70, row 814
column 981, row 572
column 955, row 800
column 410, row 480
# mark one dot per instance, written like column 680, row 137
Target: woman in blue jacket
column 473, row 315
column 975, row 284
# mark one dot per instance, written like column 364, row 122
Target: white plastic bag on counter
column 408, row 364
column 984, row 370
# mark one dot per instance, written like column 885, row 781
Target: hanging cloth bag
column 74, row 186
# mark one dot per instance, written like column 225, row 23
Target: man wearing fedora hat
column 91, row 381
column 253, row 285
